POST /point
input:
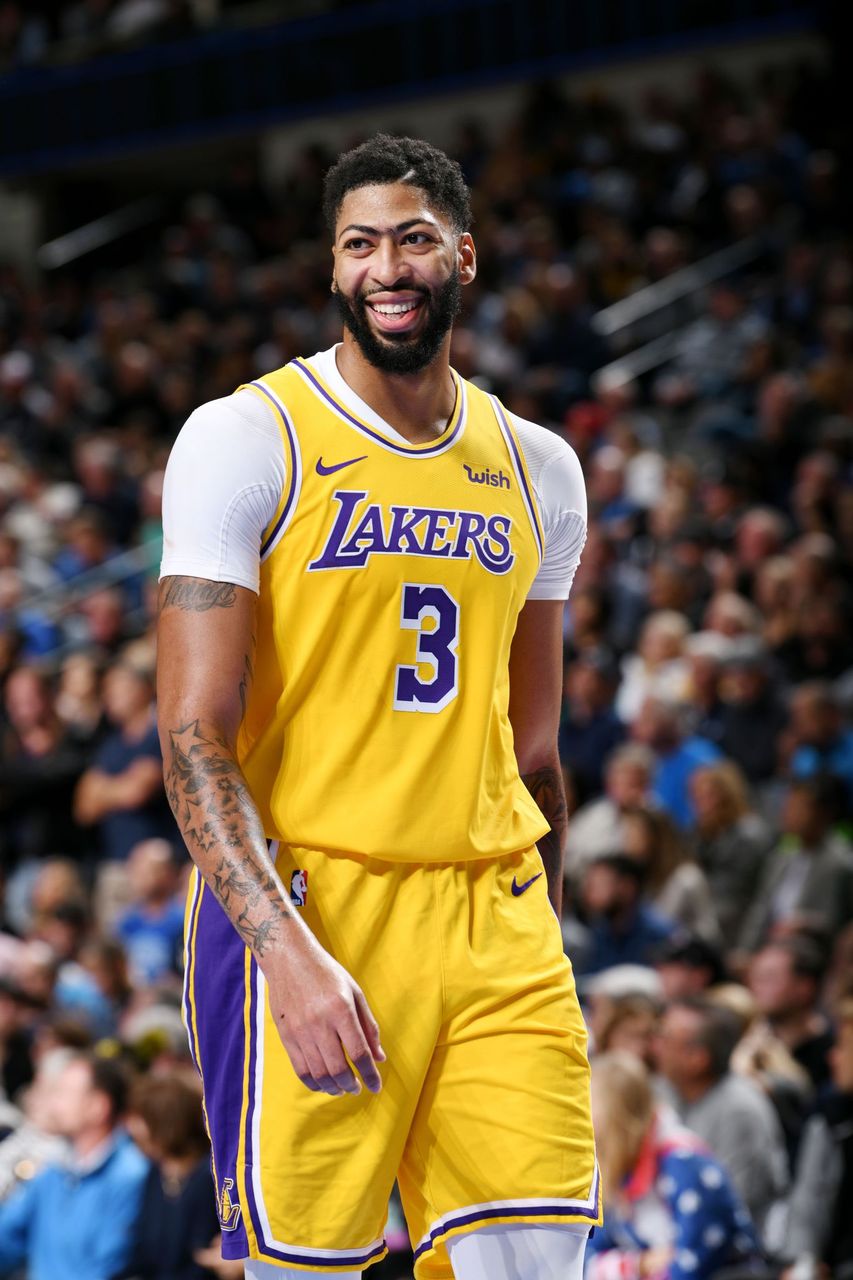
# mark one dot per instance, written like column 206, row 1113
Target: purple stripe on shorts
column 522, row 1211
column 318, row 1259
column 219, row 990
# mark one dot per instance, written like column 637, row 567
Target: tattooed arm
column 205, row 653
column 536, row 683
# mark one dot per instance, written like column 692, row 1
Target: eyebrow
column 400, row 227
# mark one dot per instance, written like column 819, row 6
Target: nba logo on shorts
column 298, row 888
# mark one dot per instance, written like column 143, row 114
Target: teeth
column 393, row 308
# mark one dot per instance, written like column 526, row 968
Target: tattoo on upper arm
column 196, row 595
column 214, row 811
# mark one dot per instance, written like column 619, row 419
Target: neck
column 85, row 1143
column 693, row 1090
column 419, row 405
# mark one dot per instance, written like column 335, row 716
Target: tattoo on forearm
column 546, row 787
column 196, row 595
column 215, row 813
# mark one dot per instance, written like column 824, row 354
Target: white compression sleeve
column 519, row 1253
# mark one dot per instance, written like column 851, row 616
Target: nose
column 389, row 263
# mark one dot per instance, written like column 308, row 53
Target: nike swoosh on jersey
column 323, row 470
column 519, row 889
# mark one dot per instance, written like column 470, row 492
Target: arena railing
column 232, row 80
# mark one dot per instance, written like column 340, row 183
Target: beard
column 399, row 353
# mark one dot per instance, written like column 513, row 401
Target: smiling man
column 366, row 560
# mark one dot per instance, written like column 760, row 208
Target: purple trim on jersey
column 294, row 469
column 519, row 471
column 407, row 451
column 219, row 995
column 521, row 1211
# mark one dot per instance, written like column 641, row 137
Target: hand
column 324, row 1021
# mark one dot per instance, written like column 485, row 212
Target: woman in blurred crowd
column 730, row 843
column 675, row 884
column 670, row 1210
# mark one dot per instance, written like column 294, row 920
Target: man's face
column 680, row 1058
column 77, row 1104
column 398, row 275
column 775, row 986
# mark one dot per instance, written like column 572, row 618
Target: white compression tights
column 490, row 1253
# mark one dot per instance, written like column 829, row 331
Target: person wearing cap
column 753, row 715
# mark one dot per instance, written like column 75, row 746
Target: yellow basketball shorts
column 484, row 1113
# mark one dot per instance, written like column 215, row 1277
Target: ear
column 466, row 258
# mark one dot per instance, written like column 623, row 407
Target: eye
column 416, row 237
column 357, row 243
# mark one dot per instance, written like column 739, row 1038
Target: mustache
column 392, row 288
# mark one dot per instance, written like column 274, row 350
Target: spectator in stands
column 178, row 1211
column 670, row 1207
column 705, row 653
column 658, row 669
column 823, row 743
column 753, row 715
column 151, row 930
column 820, row 1224
column 809, row 876
column 596, row 828
column 16, row 1069
column 122, row 792
column 590, row 730
column 41, row 760
column 729, row 1114
column 660, row 725
column 627, row 1024
column 689, row 966
column 785, row 978
column 64, row 1228
column 675, row 884
column 730, row 842
column 32, row 1144
column 623, row 927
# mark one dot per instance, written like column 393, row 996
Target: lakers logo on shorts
column 229, row 1212
column 299, row 888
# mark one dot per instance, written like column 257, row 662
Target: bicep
column 204, row 654
column 535, row 682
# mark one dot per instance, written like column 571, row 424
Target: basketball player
column 365, row 565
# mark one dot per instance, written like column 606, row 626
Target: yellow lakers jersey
column 392, row 576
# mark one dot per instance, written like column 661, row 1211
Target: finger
column 324, row 1079
column 358, row 1051
column 336, row 1063
column 369, row 1025
column 303, row 1068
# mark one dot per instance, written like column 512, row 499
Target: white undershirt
column 227, row 471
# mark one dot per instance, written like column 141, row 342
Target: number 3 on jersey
column 436, row 649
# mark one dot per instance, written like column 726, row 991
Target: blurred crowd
column 706, row 731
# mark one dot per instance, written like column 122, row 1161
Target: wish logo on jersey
column 362, row 529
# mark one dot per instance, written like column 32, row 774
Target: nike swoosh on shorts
column 519, row 889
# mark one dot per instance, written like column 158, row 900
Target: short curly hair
column 384, row 158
